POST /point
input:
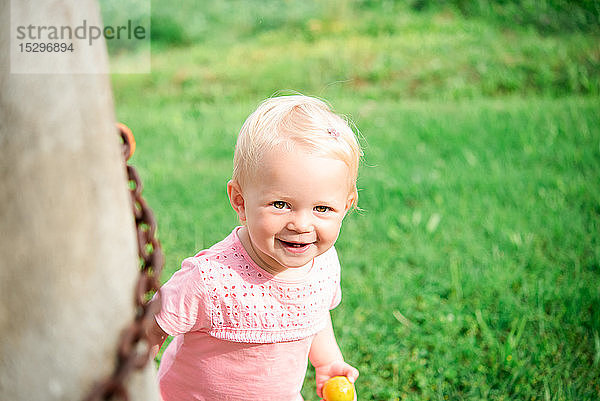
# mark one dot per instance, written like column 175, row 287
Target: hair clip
column 333, row 132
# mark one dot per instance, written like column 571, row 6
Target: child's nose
column 301, row 222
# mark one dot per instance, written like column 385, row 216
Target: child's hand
column 336, row 368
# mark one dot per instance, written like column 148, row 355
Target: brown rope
column 133, row 350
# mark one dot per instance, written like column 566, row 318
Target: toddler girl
column 247, row 313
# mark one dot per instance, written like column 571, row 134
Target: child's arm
column 156, row 337
column 326, row 357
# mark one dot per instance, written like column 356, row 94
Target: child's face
column 293, row 208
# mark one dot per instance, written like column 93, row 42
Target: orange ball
column 338, row 388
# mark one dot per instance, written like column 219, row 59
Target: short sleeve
column 183, row 307
column 334, row 263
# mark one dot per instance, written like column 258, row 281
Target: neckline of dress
column 276, row 277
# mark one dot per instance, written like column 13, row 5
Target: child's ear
column 351, row 201
column 236, row 199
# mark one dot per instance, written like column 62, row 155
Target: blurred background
column 473, row 269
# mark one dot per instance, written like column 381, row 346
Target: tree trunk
column 68, row 258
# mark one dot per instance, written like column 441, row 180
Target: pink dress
column 240, row 332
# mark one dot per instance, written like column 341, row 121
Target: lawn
column 473, row 269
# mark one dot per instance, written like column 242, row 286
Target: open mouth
column 295, row 246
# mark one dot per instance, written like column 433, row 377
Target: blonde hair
column 291, row 122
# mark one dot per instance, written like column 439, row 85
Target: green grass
column 473, row 270
column 500, row 299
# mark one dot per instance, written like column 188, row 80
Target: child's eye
column 279, row 204
column 322, row 209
